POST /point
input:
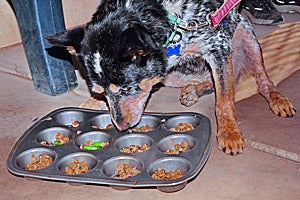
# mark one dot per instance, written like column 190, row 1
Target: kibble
column 135, row 148
column 161, row 174
column 39, row 162
column 125, row 171
column 77, row 167
column 182, row 127
column 178, row 148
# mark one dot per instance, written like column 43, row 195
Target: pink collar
column 219, row 14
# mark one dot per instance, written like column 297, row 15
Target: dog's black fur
column 123, row 52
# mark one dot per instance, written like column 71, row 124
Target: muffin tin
column 102, row 162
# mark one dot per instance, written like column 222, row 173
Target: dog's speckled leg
column 250, row 50
column 230, row 139
column 190, row 93
column 229, row 136
column 281, row 105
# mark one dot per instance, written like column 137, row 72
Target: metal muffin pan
column 102, row 162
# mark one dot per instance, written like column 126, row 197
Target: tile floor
column 251, row 175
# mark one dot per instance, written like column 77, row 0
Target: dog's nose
column 123, row 126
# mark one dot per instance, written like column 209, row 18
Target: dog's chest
column 185, row 49
column 186, row 44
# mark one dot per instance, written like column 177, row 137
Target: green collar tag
column 176, row 21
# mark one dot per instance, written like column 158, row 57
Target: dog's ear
column 70, row 38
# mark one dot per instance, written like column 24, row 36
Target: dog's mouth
column 126, row 110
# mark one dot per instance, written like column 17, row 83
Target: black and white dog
column 130, row 45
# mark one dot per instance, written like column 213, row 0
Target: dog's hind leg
column 247, row 52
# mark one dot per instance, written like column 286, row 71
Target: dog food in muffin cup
column 70, row 118
column 147, row 123
column 122, row 167
column 176, row 144
column 93, row 140
column 102, row 121
column 182, row 123
column 77, row 163
column 133, row 143
column 35, row 159
column 54, row 136
column 169, row 169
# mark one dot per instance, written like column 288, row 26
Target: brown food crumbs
column 47, row 143
column 135, row 148
column 75, row 124
column 62, row 138
column 182, row 127
column 109, row 126
column 145, row 128
column 77, row 167
column 178, row 148
column 59, row 140
column 100, row 127
column 87, row 143
column 161, row 174
column 125, row 171
column 39, row 162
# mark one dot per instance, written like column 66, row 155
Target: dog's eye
column 139, row 57
column 133, row 58
column 141, row 61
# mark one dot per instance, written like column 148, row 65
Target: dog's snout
column 123, row 126
column 126, row 110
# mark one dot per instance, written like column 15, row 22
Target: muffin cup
column 174, row 121
column 132, row 139
column 109, row 166
column 102, row 121
column 49, row 135
column 26, row 157
column 170, row 164
column 90, row 159
column 167, row 143
column 69, row 118
column 93, row 136
column 151, row 121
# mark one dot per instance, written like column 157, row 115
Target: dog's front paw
column 230, row 140
column 189, row 95
column 281, row 105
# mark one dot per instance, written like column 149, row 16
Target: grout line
column 14, row 73
column 273, row 150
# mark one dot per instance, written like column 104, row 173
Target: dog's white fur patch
column 174, row 7
column 97, row 59
column 128, row 3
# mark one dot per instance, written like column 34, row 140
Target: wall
column 76, row 12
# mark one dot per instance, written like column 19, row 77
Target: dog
column 129, row 46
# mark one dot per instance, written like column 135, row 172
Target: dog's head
column 123, row 55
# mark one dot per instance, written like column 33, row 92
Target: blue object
column 174, row 50
column 36, row 19
column 225, row 23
